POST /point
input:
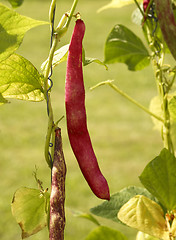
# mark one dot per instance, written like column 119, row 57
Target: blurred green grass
column 122, row 135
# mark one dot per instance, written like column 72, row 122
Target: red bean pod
column 76, row 116
column 167, row 22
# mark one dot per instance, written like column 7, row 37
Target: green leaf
column 159, row 178
column 109, row 209
column 20, row 79
column 85, row 216
column 122, row 45
column 16, row 3
column 116, row 4
column 86, row 60
column 145, row 215
column 13, row 27
column 94, row 60
column 59, row 56
column 105, row 233
column 29, row 207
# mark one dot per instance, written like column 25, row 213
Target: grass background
column 122, row 134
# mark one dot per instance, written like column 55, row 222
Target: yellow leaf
column 145, row 215
column 173, row 228
column 116, row 4
column 145, row 236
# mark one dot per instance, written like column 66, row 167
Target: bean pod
column 57, row 197
column 167, row 23
column 76, row 116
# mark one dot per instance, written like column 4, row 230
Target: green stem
column 48, row 101
column 71, row 12
column 158, row 62
column 129, row 98
column 164, row 103
column 60, row 31
column 51, row 11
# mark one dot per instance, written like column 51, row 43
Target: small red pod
column 76, row 116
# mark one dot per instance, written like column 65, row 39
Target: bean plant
column 150, row 209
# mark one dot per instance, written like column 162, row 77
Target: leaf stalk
column 113, row 86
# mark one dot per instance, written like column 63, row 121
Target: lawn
column 122, row 135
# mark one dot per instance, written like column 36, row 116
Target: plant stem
column 163, row 90
column 109, row 82
column 163, row 93
column 59, row 32
column 71, row 12
column 51, row 11
column 48, row 100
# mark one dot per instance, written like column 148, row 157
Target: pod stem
column 113, row 86
column 70, row 15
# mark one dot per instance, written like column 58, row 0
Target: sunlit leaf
column 155, row 107
column 29, row 207
column 105, row 233
column 13, row 27
column 145, row 236
column 123, row 46
column 137, row 16
column 60, row 55
column 109, row 209
column 173, row 227
column 116, row 4
column 145, row 215
column 172, row 107
column 16, row 3
column 20, row 79
column 159, row 178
